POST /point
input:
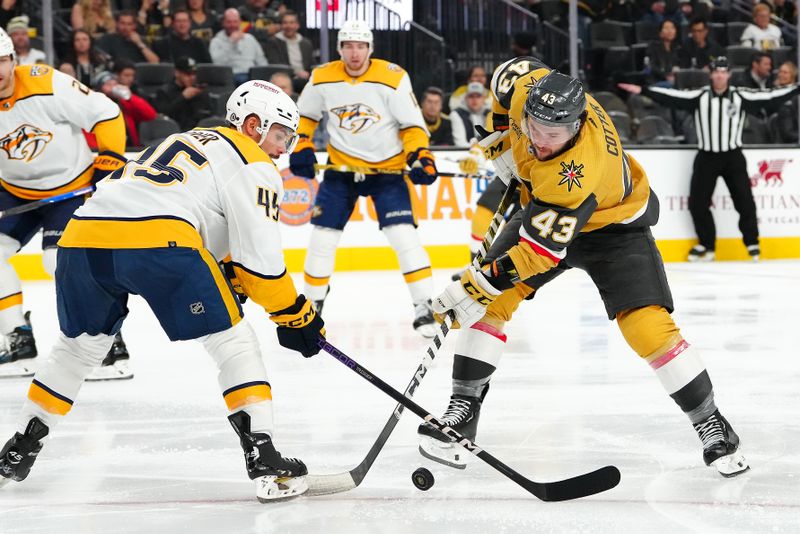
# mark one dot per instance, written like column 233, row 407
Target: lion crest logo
column 25, row 143
column 356, row 117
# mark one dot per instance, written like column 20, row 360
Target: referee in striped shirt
column 719, row 114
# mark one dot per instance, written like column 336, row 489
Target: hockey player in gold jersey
column 43, row 153
column 374, row 122
column 157, row 228
column 587, row 205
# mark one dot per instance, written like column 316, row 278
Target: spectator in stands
column 180, row 42
column 288, row 47
column 10, row 9
column 472, row 112
column 523, row 44
column 284, row 81
column 656, row 14
column 234, row 48
column 153, row 13
column 761, row 34
column 625, row 10
column 760, row 74
column 438, row 123
column 699, row 50
column 18, row 31
column 135, row 109
column 476, row 74
column 205, row 23
column 94, row 16
column 125, row 42
column 183, row 100
column 663, row 56
column 787, row 114
column 125, row 73
column 82, row 60
column 257, row 14
column 785, row 10
column 787, row 75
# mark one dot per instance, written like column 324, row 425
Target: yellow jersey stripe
column 155, row 232
column 338, row 157
column 273, row 293
column 245, row 394
column 82, row 180
column 310, row 280
column 10, row 301
column 419, row 274
column 49, row 400
column 222, row 284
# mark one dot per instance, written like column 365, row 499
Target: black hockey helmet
column 556, row 99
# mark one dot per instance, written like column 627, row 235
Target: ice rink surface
column 156, row 453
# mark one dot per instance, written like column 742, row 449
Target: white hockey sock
column 59, row 379
column 684, row 377
column 320, row 258
column 477, row 354
column 414, row 261
column 242, row 375
column 11, row 315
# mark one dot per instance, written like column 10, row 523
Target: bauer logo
column 769, row 172
column 299, row 195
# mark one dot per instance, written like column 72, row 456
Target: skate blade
column 427, row 330
column 731, row 465
column 4, row 481
column 18, row 369
column 448, row 454
column 117, row 371
column 272, row 488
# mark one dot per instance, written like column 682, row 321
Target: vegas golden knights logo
column 25, row 143
column 356, row 117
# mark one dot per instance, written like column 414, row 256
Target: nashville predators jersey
column 211, row 189
column 43, row 151
column 590, row 185
column 373, row 120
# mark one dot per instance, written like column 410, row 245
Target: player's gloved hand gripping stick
column 338, row 482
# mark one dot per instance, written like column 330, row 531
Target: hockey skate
column 424, row 323
column 721, row 445
column 276, row 477
column 19, row 453
column 461, row 415
column 116, row 365
column 699, row 253
column 318, row 304
column 754, row 251
column 18, row 352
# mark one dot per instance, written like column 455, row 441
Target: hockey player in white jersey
column 158, row 228
column 374, row 122
column 43, row 153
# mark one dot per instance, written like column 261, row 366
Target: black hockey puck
column 423, row 479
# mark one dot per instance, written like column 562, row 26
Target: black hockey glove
column 299, row 327
column 423, row 167
column 230, row 274
column 301, row 162
column 105, row 163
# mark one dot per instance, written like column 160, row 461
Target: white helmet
column 6, row 45
column 269, row 103
column 354, row 30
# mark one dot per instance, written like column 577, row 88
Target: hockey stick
column 370, row 170
column 602, row 479
column 339, row 482
column 36, row 204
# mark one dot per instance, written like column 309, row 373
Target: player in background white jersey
column 376, row 123
column 158, row 228
column 43, row 153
